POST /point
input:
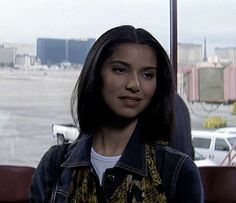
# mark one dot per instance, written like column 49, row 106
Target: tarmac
column 31, row 101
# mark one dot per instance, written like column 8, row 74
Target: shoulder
column 172, row 162
column 53, row 156
column 179, row 173
column 180, row 163
column 168, row 157
column 167, row 152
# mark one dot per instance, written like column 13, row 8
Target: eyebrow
column 121, row 62
column 127, row 64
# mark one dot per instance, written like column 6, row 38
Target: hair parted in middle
column 87, row 106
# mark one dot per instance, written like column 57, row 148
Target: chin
column 124, row 114
column 128, row 116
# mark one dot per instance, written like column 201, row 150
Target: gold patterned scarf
column 148, row 189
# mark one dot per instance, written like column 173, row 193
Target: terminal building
column 57, row 51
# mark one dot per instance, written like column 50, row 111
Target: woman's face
column 129, row 79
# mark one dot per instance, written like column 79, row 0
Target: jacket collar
column 79, row 152
column 133, row 158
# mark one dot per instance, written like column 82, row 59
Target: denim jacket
column 179, row 175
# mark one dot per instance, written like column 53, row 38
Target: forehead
column 133, row 51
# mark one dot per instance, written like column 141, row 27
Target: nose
column 133, row 83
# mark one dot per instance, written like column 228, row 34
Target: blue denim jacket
column 180, row 176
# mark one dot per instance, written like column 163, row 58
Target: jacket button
column 111, row 177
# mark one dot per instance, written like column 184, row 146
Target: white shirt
column 101, row 163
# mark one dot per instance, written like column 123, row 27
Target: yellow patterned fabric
column 148, row 189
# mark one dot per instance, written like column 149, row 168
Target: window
column 221, row 145
column 201, row 143
column 40, row 62
column 232, row 141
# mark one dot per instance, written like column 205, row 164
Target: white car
column 230, row 130
column 199, row 160
column 65, row 133
column 213, row 145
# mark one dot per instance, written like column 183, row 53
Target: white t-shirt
column 101, row 163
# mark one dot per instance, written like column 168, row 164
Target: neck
column 111, row 141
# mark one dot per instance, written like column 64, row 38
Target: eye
column 149, row 75
column 119, row 69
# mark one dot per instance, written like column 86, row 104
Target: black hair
column 87, row 105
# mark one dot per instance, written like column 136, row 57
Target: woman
column 123, row 105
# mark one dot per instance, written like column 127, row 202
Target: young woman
column 123, row 106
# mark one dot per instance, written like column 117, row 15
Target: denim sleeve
column 41, row 180
column 189, row 186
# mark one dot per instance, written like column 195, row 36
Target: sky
column 23, row 21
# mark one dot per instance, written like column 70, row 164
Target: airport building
column 13, row 54
column 7, row 56
column 189, row 54
column 51, row 51
column 227, row 54
column 57, row 51
column 78, row 49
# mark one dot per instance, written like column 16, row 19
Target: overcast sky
column 23, row 21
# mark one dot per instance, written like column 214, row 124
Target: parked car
column 213, row 145
column 65, row 132
column 200, row 160
column 230, row 130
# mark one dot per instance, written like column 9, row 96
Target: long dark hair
column 87, row 105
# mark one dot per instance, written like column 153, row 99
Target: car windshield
column 232, row 141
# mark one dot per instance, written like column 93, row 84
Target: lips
column 130, row 101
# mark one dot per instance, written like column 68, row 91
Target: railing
column 230, row 158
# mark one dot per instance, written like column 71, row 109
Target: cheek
column 109, row 88
column 149, row 89
column 107, row 85
column 112, row 84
